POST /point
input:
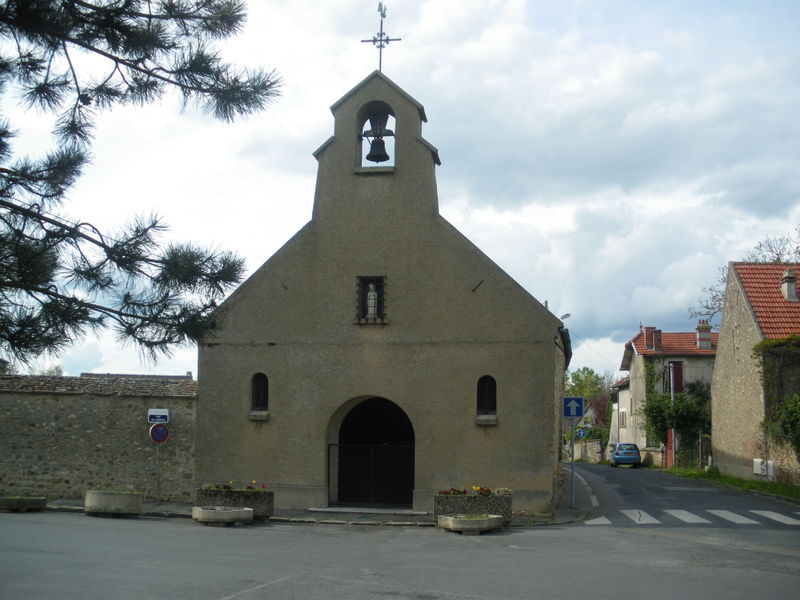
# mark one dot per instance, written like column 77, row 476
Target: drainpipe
column 672, row 398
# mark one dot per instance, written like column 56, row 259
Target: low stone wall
column 588, row 450
column 68, row 435
column 654, row 457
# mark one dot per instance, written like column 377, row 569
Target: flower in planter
column 476, row 490
column 452, row 492
column 253, row 486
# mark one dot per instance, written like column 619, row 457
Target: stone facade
column 61, row 436
column 448, row 317
column 754, row 310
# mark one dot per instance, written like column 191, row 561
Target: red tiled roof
column 761, row 283
column 672, row 344
column 680, row 344
column 622, row 383
column 170, row 386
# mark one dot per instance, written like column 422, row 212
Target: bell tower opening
column 373, row 463
column 377, row 130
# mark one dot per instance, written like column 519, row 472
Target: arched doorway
column 374, row 460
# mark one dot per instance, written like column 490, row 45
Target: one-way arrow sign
column 573, row 407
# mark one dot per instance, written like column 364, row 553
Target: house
column 672, row 359
column 621, row 402
column 379, row 355
column 760, row 308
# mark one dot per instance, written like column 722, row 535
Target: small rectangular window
column 371, row 299
column 622, row 419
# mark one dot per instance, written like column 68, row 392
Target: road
column 629, row 497
column 65, row 555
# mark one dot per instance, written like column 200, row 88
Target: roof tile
column 761, row 284
column 165, row 386
column 676, row 343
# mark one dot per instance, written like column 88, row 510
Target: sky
column 609, row 155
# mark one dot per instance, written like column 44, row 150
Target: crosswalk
column 702, row 517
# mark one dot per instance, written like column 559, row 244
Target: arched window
column 487, row 396
column 260, row 385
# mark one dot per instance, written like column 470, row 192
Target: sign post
column 159, row 433
column 573, row 409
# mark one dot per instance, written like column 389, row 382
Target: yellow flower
column 476, row 487
column 254, row 480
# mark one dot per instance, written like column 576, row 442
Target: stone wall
column 60, row 436
column 589, row 451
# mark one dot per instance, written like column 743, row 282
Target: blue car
column 626, row 454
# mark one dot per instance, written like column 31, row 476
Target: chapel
column 379, row 355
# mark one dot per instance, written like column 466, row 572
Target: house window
column 487, row 396
column 259, row 404
column 371, row 300
column 622, row 418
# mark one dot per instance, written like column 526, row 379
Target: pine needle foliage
column 60, row 279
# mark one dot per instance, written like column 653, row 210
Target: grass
column 784, row 490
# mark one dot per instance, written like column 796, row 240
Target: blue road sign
column 158, row 415
column 580, row 434
column 573, row 407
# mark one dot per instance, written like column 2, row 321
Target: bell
column 377, row 124
column 377, row 151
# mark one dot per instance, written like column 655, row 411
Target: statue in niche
column 372, row 302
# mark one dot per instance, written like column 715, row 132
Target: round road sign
column 159, row 433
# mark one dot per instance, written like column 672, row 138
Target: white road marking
column 588, row 489
column 733, row 517
column 640, row 517
column 686, row 516
column 777, row 517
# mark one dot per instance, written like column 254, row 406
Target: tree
column 53, row 370
column 59, row 278
column 770, row 249
column 593, row 387
column 690, row 414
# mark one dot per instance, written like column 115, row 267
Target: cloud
column 609, row 154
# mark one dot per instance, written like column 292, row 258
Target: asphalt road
column 66, row 555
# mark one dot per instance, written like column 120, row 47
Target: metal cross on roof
column 381, row 40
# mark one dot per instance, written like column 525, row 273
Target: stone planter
column 470, row 524
column 473, row 504
column 261, row 501
column 22, row 503
column 222, row 515
column 120, row 504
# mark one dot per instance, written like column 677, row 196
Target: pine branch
column 58, row 278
